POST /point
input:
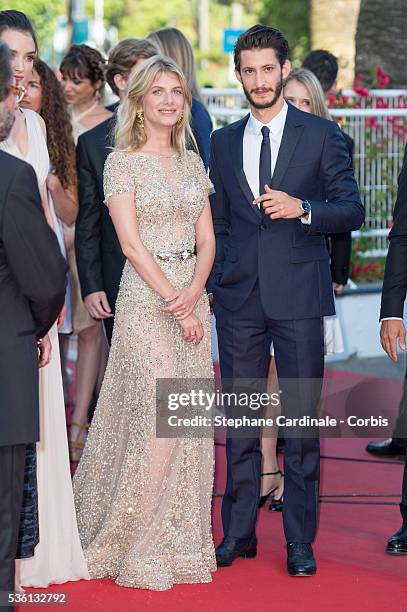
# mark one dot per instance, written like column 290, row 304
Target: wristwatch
column 305, row 207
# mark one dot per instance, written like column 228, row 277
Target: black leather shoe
column 386, row 448
column 397, row 545
column 232, row 548
column 300, row 559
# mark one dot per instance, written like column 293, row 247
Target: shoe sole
column 301, row 574
column 395, row 552
column 250, row 554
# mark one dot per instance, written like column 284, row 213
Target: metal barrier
column 379, row 135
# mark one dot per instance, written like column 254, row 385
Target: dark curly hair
column 84, row 62
column 54, row 111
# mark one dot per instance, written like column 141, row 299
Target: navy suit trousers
column 244, row 338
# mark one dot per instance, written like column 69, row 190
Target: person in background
column 99, row 256
column 83, row 79
column 393, row 297
column 44, row 95
column 173, row 43
column 325, row 67
column 32, row 292
column 51, row 553
column 303, row 90
column 392, row 329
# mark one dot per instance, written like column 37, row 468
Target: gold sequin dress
column 144, row 503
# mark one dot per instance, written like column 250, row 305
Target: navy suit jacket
column 395, row 276
column 289, row 259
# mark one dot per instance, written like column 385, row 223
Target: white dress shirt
column 252, row 139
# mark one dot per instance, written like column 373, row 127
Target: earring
column 180, row 118
column 140, row 118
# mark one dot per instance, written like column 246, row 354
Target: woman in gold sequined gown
column 143, row 502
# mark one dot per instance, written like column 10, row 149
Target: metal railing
column 379, row 135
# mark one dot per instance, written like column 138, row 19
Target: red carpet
column 354, row 572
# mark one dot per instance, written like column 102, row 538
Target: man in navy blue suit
column 283, row 180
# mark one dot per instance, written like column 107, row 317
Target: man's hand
column 279, row 205
column 97, row 305
column 44, row 351
column 389, row 332
column 338, row 288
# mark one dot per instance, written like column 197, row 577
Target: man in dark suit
column 32, row 293
column 325, row 67
column 392, row 329
column 271, row 278
column 98, row 253
column 393, row 296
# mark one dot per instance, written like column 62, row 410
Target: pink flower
column 363, row 92
column 371, row 122
column 380, row 103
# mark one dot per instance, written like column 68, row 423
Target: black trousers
column 12, row 462
column 244, row 339
column 403, row 505
column 400, row 428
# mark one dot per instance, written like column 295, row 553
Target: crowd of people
column 111, row 230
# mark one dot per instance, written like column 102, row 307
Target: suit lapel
column 291, row 134
column 236, row 151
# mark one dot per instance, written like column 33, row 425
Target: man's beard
column 6, row 121
column 270, row 103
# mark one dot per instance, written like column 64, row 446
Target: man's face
column 7, row 116
column 122, row 81
column 262, row 77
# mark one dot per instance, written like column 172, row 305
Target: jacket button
column 263, row 226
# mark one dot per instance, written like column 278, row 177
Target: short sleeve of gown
column 201, row 174
column 118, row 176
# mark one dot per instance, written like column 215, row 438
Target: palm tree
column 333, row 27
column 381, row 39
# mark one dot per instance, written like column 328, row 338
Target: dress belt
column 174, row 256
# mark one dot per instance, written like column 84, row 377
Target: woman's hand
column 53, row 182
column 61, row 317
column 182, row 302
column 192, row 328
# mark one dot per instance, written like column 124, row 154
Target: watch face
column 306, row 206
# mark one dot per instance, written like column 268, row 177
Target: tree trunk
column 381, row 39
column 333, row 28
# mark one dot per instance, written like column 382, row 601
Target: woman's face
column 296, row 93
column 33, row 94
column 78, row 91
column 164, row 102
column 23, row 53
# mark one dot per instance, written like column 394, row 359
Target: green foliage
column 292, row 18
column 136, row 18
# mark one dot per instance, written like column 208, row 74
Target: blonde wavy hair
column 129, row 132
column 313, row 86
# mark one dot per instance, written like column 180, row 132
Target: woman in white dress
column 58, row 557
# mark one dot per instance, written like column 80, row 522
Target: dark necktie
column 265, row 161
